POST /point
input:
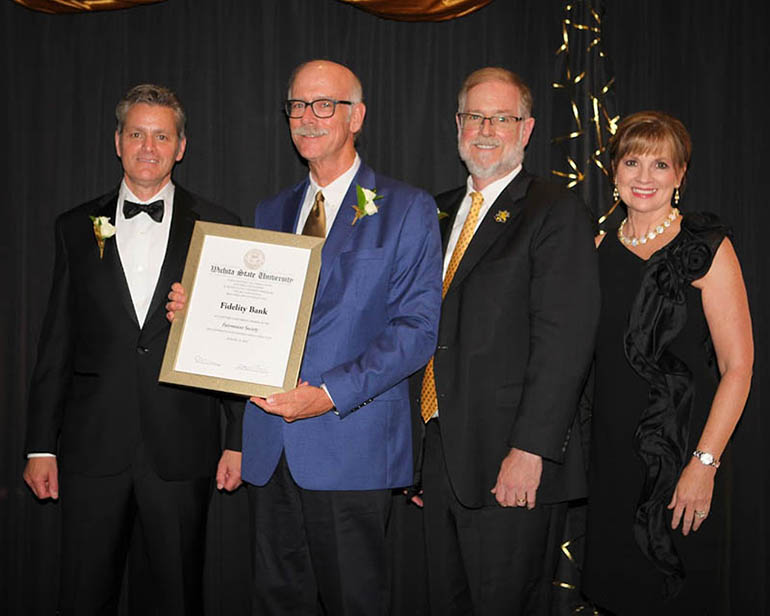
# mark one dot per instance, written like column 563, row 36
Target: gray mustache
column 486, row 141
column 310, row 131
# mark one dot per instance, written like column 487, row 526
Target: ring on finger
column 521, row 501
column 700, row 514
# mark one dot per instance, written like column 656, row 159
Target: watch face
column 706, row 458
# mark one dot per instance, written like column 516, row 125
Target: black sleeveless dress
column 656, row 376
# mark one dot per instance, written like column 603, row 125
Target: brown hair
column 496, row 73
column 644, row 132
column 151, row 94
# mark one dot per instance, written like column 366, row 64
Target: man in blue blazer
column 323, row 458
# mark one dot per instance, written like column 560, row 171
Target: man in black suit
column 102, row 431
column 500, row 396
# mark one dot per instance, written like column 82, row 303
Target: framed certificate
column 249, row 299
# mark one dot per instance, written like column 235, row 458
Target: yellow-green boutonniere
column 502, row 215
column 365, row 205
column 103, row 230
column 441, row 214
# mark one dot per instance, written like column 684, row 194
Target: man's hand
column 414, row 495
column 177, row 300
column 42, row 476
column 299, row 403
column 518, row 479
column 229, row 470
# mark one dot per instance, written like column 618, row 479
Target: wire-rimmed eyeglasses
column 499, row 121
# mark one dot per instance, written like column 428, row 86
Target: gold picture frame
column 250, row 308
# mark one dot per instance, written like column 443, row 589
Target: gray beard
column 502, row 167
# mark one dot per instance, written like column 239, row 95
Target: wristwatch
column 705, row 458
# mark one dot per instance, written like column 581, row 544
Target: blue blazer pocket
column 361, row 271
column 353, row 256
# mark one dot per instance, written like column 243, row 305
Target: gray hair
column 151, row 94
column 496, row 73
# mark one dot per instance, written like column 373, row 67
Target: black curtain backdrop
column 705, row 61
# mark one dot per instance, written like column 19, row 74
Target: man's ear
column 526, row 130
column 181, row 149
column 357, row 115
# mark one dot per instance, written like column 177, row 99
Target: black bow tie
column 154, row 210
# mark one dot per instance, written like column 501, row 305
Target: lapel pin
column 502, row 215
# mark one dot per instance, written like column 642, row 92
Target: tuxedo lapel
column 495, row 223
column 445, row 224
column 342, row 227
column 182, row 222
column 110, row 262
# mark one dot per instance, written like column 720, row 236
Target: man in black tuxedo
column 500, row 395
column 102, row 431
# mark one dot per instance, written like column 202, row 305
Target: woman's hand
column 692, row 497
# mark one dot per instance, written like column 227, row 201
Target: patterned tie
column 315, row 224
column 428, row 400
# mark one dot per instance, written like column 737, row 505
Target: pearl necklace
column 660, row 228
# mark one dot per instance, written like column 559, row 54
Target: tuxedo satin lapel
column 343, row 227
column 491, row 228
column 182, row 223
column 110, row 262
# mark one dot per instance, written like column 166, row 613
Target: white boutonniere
column 441, row 214
column 365, row 205
column 103, row 230
column 502, row 215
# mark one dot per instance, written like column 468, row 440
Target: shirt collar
column 492, row 191
column 166, row 193
column 335, row 191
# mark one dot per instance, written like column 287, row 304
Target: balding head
column 327, row 143
column 332, row 71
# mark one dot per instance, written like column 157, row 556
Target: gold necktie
column 315, row 224
column 428, row 400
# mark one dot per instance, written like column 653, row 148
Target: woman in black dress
column 673, row 370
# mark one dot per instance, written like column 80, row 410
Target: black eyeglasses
column 322, row 107
column 476, row 120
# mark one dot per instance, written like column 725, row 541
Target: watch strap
column 704, row 457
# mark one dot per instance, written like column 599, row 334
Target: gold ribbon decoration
column 402, row 10
column 81, row 6
column 583, row 122
column 419, row 10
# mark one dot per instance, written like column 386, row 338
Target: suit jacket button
column 142, row 350
column 442, row 347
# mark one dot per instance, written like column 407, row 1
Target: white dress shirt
column 142, row 246
column 334, row 193
column 490, row 194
